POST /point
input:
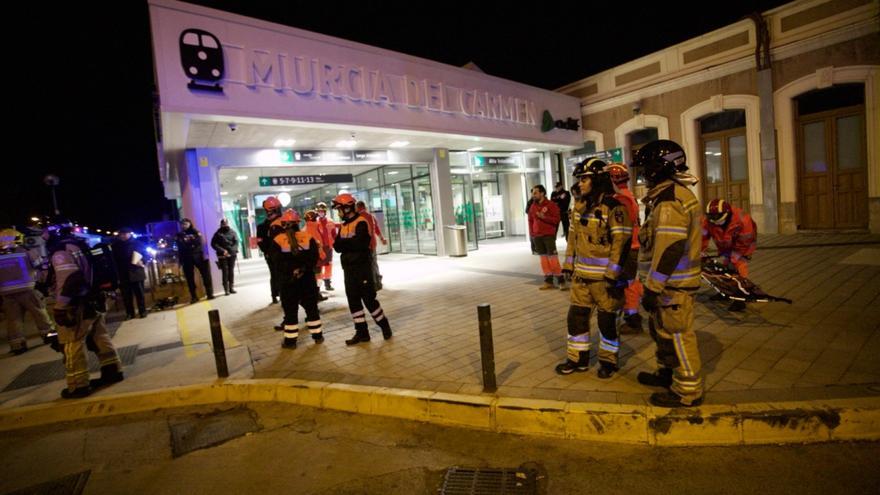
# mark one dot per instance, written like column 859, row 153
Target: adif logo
column 202, row 59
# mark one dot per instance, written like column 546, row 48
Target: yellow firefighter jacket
column 670, row 238
column 599, row 239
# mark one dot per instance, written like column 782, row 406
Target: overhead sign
column 614, row 155
column 304, row 180
column 309, row 156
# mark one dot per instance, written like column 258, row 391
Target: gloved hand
column 615, row 288
column 650, row 300
column 567, row 273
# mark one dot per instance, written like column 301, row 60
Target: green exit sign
column 286, row 157
column 265, row 181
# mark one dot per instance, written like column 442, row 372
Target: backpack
column 103, row 268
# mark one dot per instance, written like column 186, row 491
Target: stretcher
column 730, row 285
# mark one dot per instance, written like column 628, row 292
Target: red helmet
column 290, row 216
column 718, row 211
column 271, row 203
column 344, row 199
column 618, row 172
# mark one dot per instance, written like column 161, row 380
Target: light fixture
column 346, row 143
column 393, row 172
column 369, row 179
column 35, row 219
column 284, row 143
column 529, row 150
column 716, row 154
column 398, row 144
column 98, row 231
column 284, row 198
column 241, row 177
column 224, row 193
column 478, row 148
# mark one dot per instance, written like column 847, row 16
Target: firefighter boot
column 561, row 280
column 361, row 334
column 327, row 285
column 606, row 370
column 110, row 374
column 386, row 328
column 660, row 378
column 77, row 393
column 671, row 399
column 632, row 324
column 548, row 283
column 579, row 366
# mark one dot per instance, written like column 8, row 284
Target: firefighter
column 543, row 223
column 17, row 290
column 297, row 254
column 597, row 252
column 273, row 210
column 314, row 229
column 376, row 235
column 669, row 266
column 328, row 235
column 735, row 236
column 353, row 244
column 619, row 174
column 79, row 312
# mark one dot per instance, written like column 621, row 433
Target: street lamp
column 52, row 181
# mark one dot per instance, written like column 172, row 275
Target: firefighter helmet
column 718, row 211
column 290, row 216
column 618, row 172
column 661, row 159
column 271, row 204
column 590, row 166
column 343, row 200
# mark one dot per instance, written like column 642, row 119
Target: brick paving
column 830, row 336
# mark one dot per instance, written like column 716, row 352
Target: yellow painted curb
column 752, row 423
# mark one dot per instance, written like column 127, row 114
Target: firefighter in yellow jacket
column 598, row 245
column 669, row 266
column 296, row 258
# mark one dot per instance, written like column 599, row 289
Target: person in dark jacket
column 225, row 243
column 192, row 255
column 353, row 243
column 129, row 256
column 272, row 207
column 562, row 198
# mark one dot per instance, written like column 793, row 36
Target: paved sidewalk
column 826, row 344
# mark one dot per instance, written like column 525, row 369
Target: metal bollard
column 219, row 348
column 487, row 348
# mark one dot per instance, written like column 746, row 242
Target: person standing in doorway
column 225, row 243
column 129, row 255
column 328, row 231
column 191, row 251
column 562, row 198
column 543, row 224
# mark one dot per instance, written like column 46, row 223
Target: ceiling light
column 393, row 172
column 399, row 144
column 716, row 154
column 284, row 143
column 478, row 148
column 284, row 198
column 241, row 177
column 529, row 150
column 346, row 143
column 224, row 193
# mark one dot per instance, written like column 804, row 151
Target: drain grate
column 38, row 374
column 199, row 432
column 489, row 481
column 68, row 485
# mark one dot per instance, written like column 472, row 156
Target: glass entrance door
column 409, row 238
column 463, row 205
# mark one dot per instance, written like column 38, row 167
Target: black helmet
column 661, row 159
column 590, row 166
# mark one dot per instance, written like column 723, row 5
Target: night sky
column 80, row 77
